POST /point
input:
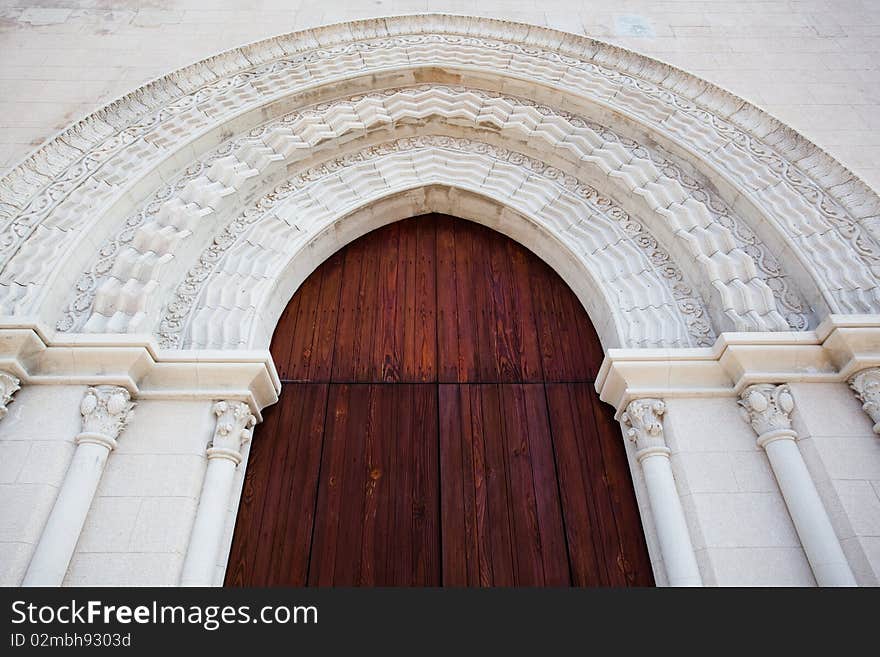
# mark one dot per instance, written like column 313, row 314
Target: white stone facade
column 148, row 250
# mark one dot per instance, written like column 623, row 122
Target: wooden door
column 437, row 425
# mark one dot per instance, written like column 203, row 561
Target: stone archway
column 153, row 245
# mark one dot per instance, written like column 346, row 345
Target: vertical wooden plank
column 301, row 352
column 295, row 534
column 498, row 310
column 274, row 493
column 400, row 549
column 466, row 555
column 450, row 359
column 351, row 514
column 587, row 568
column 468, row 314
column 426, row 485
column 528, row 562
column 554, row 555
column 367, row 367
column 425, row 303
column 324, row 331
column 240, row 567
column 522, row 261
column 633, row 560
column 345, row 354
column 385, row 359
column 580, row 334
column 501, row 537
column 375, row 440
column 282, row 339
column 455, row 548
column 328, row 511
column 605, row 537
column 480, row 294
column 483, row 527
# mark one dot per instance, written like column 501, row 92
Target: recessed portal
column 437, row 425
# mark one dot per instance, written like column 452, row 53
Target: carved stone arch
column 625, row 266
column 218, row 319
column 725, row 261
column 66, row 201
column 161, row 236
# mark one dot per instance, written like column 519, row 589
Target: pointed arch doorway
column 437, row 426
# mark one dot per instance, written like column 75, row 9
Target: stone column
column 9, row 384
column 866, row 385
column 105, row 412
column 644, row 426
column 233, row 430
column 768, row 409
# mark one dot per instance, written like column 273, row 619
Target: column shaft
column 233, row 430
column 105, row 411
column 207, row 534
column 61, row 533
column 669, row 520
column 768, row 407
column 813, row 526
column 644, row 426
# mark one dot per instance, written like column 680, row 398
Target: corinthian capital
column 866, row 385
column 767, row 407
column 105, row 412
column 233, row 430
column 8, row 386
column 643, row 420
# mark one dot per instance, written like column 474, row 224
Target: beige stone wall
column 739, row 525
column 814, row 64
column 35, row 452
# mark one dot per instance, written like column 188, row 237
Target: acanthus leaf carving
column 643, row 422
column 232, row 431
column 106, row 410
column 767, row 407
column 9, row 385
column 866, row 385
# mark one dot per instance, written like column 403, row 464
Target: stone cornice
column 839, row 347
column 37, row 355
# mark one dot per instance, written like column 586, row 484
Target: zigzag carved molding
column 747, row 280
column 814, row 207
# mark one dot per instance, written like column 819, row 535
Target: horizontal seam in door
column 434, row 383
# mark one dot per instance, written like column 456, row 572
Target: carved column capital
column 233, row 430
column 768, row 407
column 105, row 412
column 643, row 420
column 9, row 384
column 866, row 385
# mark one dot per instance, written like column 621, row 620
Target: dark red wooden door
column 437, row 425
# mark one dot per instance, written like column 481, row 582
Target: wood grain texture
column 437, row 426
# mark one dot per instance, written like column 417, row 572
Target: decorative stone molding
column 866, row 385
column 105, row 412
column 9, row 385
column 116, row 282
column 767, row 408
column 789, row 192
column 564, row 202
column 233, row 430
column 41, row 356
column 644, row 421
